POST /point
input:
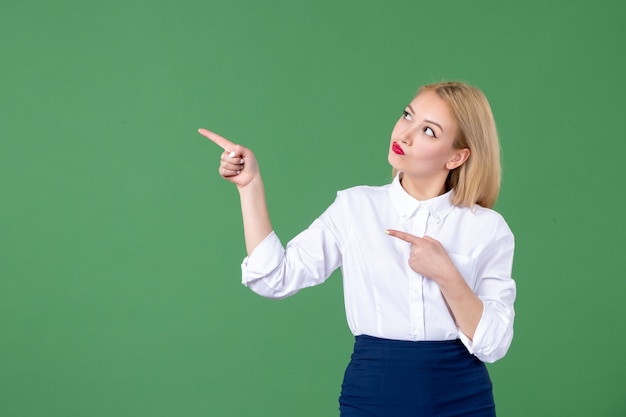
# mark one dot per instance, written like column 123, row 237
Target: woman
column 426, row 263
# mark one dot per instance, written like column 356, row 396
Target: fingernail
column 241, row 162
column 386, row 232
column 232, row 154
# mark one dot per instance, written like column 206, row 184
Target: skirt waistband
column 419, row 353
column 367, row 339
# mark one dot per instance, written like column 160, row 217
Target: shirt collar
column 406, row 205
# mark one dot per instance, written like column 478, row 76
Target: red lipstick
column 397, row 149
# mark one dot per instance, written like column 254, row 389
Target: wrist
column 255, row 185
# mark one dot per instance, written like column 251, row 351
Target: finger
column 407, row 237
column 234, row 154
column 220, row 141
column 232, row 166
column 430, row 239
column 231, row 158
column 225, row 172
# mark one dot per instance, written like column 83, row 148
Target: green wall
column 120, row 246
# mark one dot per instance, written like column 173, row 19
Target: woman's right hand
column 238, row 164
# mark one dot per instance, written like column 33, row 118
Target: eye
column 406, row 115
column 429, row 132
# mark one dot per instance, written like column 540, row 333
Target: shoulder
column 485, row 219
column 360, row 200
column 363, row 192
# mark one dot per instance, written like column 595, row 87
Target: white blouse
column 384, row 297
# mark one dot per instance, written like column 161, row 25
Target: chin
column 392, row 159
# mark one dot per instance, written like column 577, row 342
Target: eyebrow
column 426, row 120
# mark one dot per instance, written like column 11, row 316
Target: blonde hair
column 477, row 180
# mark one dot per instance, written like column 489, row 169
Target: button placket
column 416, row 281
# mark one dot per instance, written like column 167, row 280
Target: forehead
column 427, row 105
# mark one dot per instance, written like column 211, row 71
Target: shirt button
column 436, row 218
column 404, row 216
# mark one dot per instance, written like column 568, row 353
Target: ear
column 458, row 158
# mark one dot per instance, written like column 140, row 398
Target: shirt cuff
column 492, row 337
column 264, row 258
column 469, row 343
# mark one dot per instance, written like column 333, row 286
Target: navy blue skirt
column 392, row 378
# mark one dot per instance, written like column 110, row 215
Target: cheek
column 435, row 153
column 432, row 152
column 393, row 159
column 397, row 128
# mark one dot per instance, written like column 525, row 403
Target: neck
column 422, row 190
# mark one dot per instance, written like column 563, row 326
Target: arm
column 256, row 218
column 272, row 271
column 465, row 306
column 239, row 166
column 484, row 317
column 497, row 290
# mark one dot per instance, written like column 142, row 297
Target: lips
column 397, row 149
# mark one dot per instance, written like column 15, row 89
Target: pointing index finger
column 407, row 237
column 220, row 141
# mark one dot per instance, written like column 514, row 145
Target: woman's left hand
column 427, row 256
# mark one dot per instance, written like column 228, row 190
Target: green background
column 120, row 245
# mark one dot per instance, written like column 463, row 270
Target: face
column 422, row 141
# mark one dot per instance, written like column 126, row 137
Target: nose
column 405, row 137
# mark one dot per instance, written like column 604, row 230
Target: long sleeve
column 497, row 291
column 307, row 260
